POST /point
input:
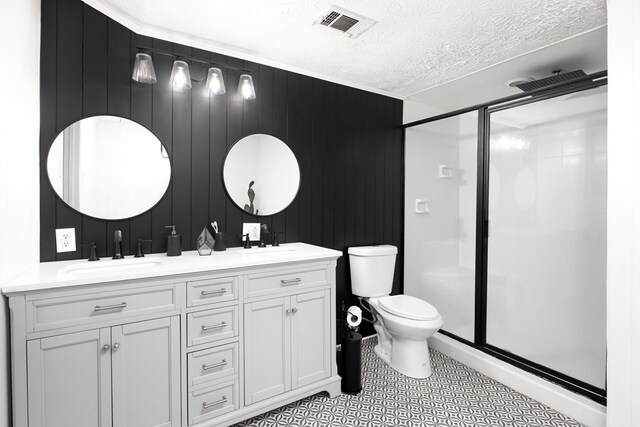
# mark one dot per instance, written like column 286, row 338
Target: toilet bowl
column 402, row 322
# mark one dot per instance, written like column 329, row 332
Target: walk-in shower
column 505, row 229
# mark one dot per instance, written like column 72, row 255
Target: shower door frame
column 484, row 111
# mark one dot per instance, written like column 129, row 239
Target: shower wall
column 440, row 170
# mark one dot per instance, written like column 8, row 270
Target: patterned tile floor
column 454, row 395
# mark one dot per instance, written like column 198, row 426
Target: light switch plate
column 65, row 239
column 253, row 228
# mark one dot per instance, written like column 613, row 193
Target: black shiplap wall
column 348, row 142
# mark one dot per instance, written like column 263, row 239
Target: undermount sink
column 110, row 266
column 269, row 252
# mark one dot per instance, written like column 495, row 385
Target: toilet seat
column 408, row 307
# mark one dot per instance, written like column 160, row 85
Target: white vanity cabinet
column 101, row 355
column 287, row 343
column 119, row 376
column 193, row 342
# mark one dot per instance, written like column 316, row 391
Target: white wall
column 20, row 124
column 623, row 276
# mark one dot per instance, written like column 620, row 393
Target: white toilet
column 403, row 322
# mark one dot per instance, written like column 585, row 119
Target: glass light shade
column 143, row 70
column 180, row 77
column 245, row 87
column 215, row 82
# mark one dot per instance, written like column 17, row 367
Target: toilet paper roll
column 354, row 316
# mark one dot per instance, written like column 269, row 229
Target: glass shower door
column 546, row 269
column 440, row 218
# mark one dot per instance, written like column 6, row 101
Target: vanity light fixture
column 143, row 70
column 215, row 81
column 245, row 87
column 180, row 76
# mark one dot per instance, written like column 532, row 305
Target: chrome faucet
column 117, row 248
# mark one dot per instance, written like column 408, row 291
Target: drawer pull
column 214, row 365
column 218, row 326
column 110, row 307
column 206, row 405
column 216, row 292
column 289, row 282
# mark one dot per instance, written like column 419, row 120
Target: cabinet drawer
column 212, row 402
column 53, row 313
column 210, row 291
column 212, row 325
column 212, row 364
column 286, row 279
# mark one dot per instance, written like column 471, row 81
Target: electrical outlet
column 253, row 228
column 66, row 239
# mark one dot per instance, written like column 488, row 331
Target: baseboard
column 578, row 407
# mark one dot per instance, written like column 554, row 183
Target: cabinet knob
column 116, row 346
column 288, row 311
column 106, row 347
column 294, row 310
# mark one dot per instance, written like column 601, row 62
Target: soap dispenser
column 174, row 242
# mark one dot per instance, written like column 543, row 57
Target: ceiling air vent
column 345, row 21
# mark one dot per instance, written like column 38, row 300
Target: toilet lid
column 408, row 307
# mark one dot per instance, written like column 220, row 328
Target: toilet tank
column 372, row 270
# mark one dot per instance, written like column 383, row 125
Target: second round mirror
column 261, row 174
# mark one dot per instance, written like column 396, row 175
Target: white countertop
column 60, row 274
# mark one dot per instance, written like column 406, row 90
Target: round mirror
column 261, row 174
column 108, row 167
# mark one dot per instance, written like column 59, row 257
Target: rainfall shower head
column 558, row 77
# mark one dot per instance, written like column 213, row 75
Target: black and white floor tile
column 454, row 395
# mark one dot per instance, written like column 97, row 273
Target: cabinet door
column 69, row 380
column 146, row 373
column 267, row 365
column 310, row 338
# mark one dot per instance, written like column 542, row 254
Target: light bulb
column 180, row 77
column 215, row 82
column 245, row 87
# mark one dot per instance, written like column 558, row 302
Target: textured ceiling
column 416, row 44
column 587, row 52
